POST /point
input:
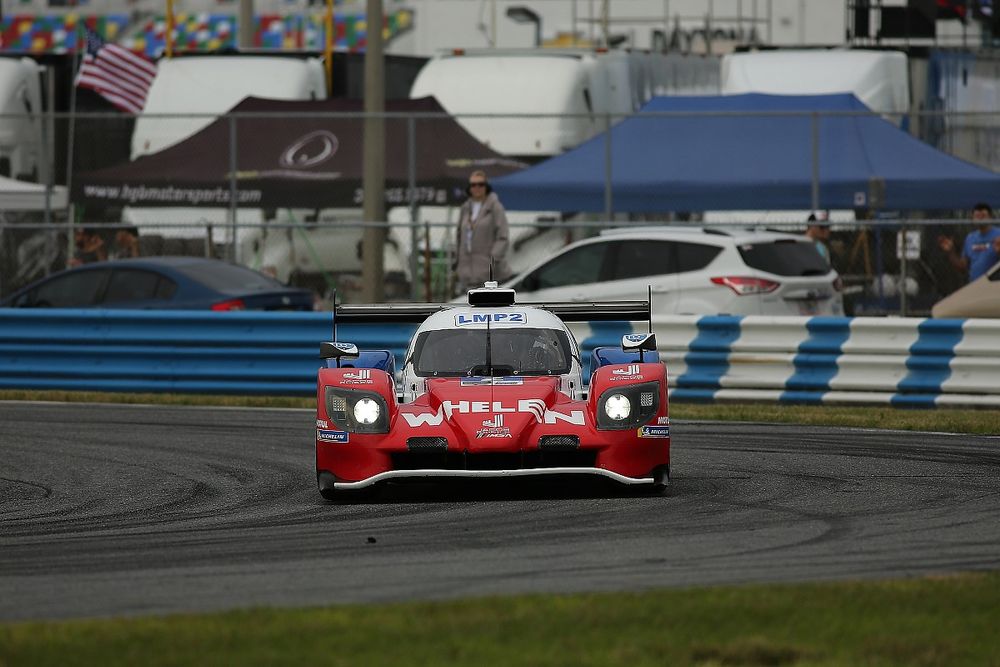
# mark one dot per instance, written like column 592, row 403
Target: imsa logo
column 363, row 376
column 493, row 428
column 630, row 372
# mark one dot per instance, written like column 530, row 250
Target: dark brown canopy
column 303, row 154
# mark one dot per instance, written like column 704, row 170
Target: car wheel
column 661, row 487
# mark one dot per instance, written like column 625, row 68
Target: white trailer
column 204, row 87
column 22, row 153
column 880, row 79
column 194, row 91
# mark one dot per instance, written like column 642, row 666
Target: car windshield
column 224, row 277
column 785, row 258
column 513, row 351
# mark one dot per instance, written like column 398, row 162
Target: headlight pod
column 617, row 407
column 357, row 411
column 366, row 411
column 622, row 408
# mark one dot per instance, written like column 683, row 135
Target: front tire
column 661, row 485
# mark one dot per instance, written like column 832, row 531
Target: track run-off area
column 109, row 510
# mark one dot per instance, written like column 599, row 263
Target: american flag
column 119, row 75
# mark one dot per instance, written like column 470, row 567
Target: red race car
column 492, row 389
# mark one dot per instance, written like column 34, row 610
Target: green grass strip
column 923, row 622
column 950, row 420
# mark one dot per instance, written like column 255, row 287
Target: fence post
column 232, row 254
column 411, row 143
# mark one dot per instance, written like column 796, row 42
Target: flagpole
column 328, row 47
column 170, row 29
column 77, row 58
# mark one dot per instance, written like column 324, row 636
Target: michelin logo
column 332, row 436
column 654, row 432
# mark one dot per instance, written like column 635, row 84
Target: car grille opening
column 528, row 460
column 426, row 444
column 552, row 443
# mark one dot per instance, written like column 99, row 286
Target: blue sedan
column 193, row 283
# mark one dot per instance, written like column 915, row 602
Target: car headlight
column 357, row 411
column 630, row 406
column 617, row 407
column 366, row 411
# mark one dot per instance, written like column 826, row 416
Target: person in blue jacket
column 981, row 249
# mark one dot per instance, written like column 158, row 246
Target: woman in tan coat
column 482, row 234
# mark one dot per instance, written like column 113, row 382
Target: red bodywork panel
column 491, row 421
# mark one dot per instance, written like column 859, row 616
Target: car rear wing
column 567, row 311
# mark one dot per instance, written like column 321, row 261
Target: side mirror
column 633, row 342
column 338, row 351
column 639, row 343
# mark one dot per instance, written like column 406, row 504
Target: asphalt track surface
column 132, row 510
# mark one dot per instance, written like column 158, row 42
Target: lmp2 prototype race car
column 491, row 389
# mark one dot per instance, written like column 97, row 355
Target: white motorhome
column 21, row 117
column 880, row 79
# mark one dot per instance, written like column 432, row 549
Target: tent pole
column 411, row 145
column 815, row 161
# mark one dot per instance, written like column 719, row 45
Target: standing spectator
column 982, row 246
column 482, row 236
column 818, row 230
column 126, row 243
column 89, row 247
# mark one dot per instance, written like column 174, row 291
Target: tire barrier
column 818, row 360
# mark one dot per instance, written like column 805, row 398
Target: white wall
column 443, row 24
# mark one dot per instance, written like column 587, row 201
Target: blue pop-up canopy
column 751, row 152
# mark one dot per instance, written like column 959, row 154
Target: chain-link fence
column 887, row 267
column 280, row 191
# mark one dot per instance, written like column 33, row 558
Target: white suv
column 691, row 271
